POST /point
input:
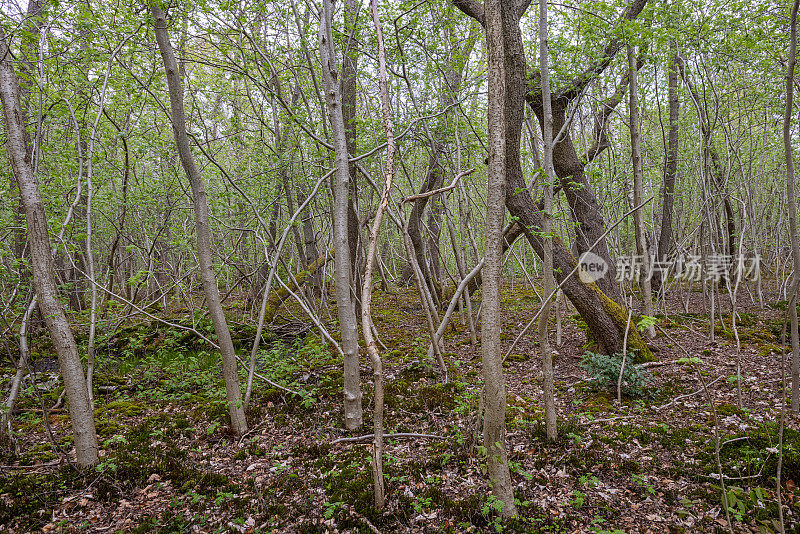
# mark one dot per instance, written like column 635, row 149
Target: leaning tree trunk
column 604, row 316
column 342, row 274
column 29, row 50
column 86, row 447
column 202, row 229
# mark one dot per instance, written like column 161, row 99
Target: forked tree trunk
column 202, row 226
column 604, row 316
column 80, row 412
column 342, row 275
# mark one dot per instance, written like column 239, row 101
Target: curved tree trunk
column 604, row 316
column 202, row 226
column 69, row 361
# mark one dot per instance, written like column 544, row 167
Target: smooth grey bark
column 791, row 203
column 638, row 196
column 202, row 227
column 494, row 387
column 366, row 291
column 670, row 171
column 341, row 243
column 548, row 379
column 86, row 447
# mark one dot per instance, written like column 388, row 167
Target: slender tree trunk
column 342, row 266
column 202, row 226
column 670, row 172
column 349, row 97
column 29, row 45
column 81, row 415
column 433, row 180
column 22, row 365
column 548, row 379
column 792, row 206
column 494, row 424
column 638, row 197
column 366, row 292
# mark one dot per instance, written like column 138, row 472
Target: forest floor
column 169, row 462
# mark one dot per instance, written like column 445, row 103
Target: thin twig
column 367, row 437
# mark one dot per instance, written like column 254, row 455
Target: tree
column 601, row 311
column 670, row 171
column 202, row 230
column 81, row 415
column 547, row 250
column 792, row 208
column 494, row 387
column 638, row 196
column 341, row 242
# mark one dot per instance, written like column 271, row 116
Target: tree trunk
column 548, row 378
column 349, row 107
column 605, row 317
column 29, row 44
column 341, row 242
column 366, row 317
column 433, row 180
column 638, row 195
column 202, row 226
column 494, row 424
column 670, row 172
column 792, row 206
column 41, row 254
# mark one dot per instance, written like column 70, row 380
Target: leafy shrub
column 604, row 369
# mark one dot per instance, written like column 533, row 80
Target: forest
column 329, row 266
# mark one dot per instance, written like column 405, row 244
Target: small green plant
column 331, row 507
column 739, row 501
column 222, row 496
column 578, row 498
column 604, row 369
column 421, row 503
column 493, row 505
column 576, row 439
column 641, row 481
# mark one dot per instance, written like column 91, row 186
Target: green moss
column 29, row 499
column 746, row 454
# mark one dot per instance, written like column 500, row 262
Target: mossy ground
column 169, row 462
